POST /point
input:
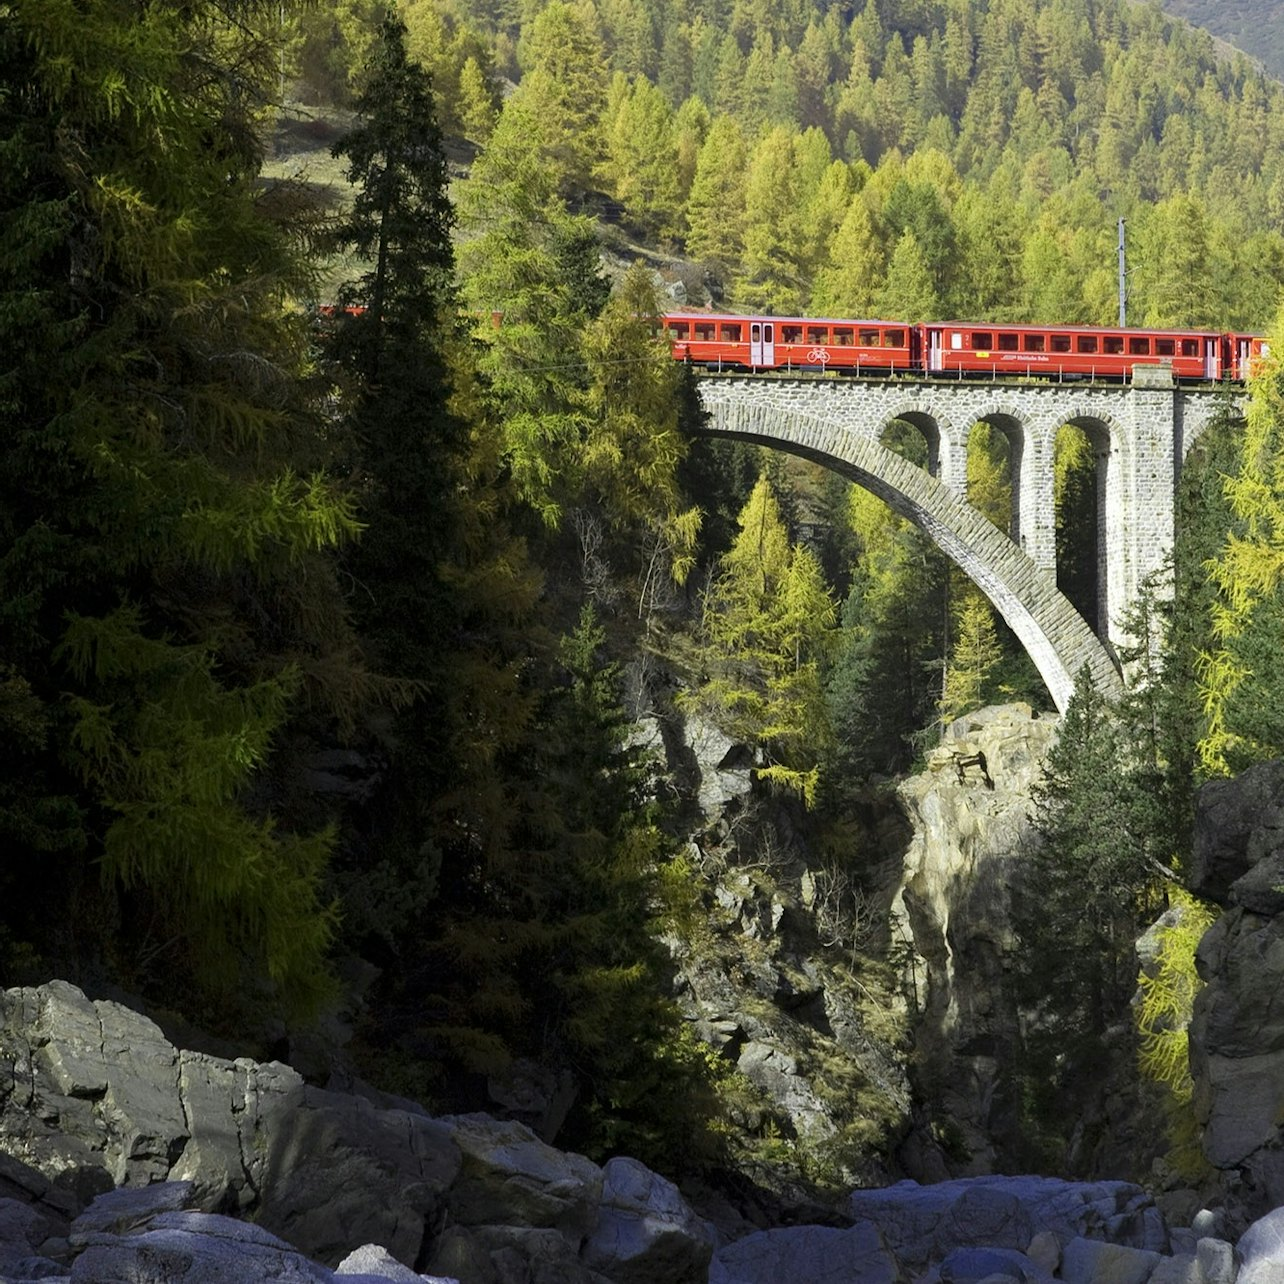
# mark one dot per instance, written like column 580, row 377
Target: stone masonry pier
column 1140, row 433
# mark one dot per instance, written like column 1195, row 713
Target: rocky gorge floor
column 127, row 1159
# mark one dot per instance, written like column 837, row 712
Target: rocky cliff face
column 778, row 976
column 1237, row 1034
column 970, row 819
column 773, row 974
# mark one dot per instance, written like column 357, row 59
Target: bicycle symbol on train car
column 818, row 357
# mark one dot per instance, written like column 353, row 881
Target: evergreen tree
column 395, row 351
column 1085, row 894
column 164, row 550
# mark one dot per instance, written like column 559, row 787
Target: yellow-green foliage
column 1167, row 992
column 1247, row 574
column 769, row 617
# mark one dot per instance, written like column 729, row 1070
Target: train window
column 791, row 334
column 893, row 338
column 1034, row 343
column 731, row 331
column 1113, row 344
column 1138, row 347
column 817, row 334
column 1164, row 347
column 869, row 338
column 842, row 336
column 1008, row 343
column 1086, row 343
column 1060, row 343
column 981, row 340
column 956, row 339
column 705, row 331
column 679, row 330
column 1190, row 347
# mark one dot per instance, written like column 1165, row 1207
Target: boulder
column 1093, row 1261
column 923, row 1223
column 974, row 1265
column 1181, row 1268
column 194, row 1248
column 1261, row 1250
column 370, row 1262
column 1238, row 823
column 645, row 1230
column 108, row 1101
column 336, row 1171
column 807, row 1255
column 508, row 1177
column 1216, row 1261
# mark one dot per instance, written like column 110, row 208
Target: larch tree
column 642, row 158
column 715, row 208
column 910, row 291
column 564, row 85
column 849, row 284
column 1241, row 671
column 532, row 267
column 771, row 281
column 768, row 616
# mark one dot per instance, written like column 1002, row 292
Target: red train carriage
column 1245, row 353
column 959, row 347
column 792, row 343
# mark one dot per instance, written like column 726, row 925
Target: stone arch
column 1012, row 424
column 1025, row 595
column 1107, row 444
column 928, row 424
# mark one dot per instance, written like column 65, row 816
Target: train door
column 935, row 360
column 762, row 343
column 1212, row 363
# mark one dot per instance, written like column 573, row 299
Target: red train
column 956, row 348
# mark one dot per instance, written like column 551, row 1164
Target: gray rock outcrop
column 94, row 1101
column 1237, row 1032
column 969, row 811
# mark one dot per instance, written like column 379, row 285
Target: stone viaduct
column 1140, row 433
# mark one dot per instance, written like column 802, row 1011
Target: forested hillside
column 344, row 536
column 1250, row 25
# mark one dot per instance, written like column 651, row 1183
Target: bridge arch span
column 1023, row 593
